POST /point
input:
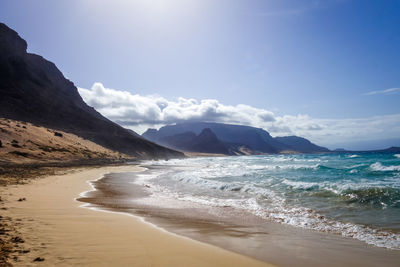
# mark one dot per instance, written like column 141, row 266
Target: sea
column 355, row 195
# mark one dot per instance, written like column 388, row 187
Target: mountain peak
column 33, row 89
column 10, row 42
column 207, row 133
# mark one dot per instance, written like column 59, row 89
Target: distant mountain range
column 228, row 139
column 32, row 89
column 392, row 149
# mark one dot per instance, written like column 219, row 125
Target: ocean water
column 353, row 195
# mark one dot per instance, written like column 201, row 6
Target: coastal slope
column 33, row 90
column 25, row 143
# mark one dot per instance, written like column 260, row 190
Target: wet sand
column 56, row 228
column 236, row 230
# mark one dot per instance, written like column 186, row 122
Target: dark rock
column 14, row 143
column 19, row 153
column 58, row 134
column 33, row 90
column 38, row 259
column 22, row 199
column 17, row 239
column 1, row 144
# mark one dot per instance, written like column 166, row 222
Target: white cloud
column 385, row 92
column 131, row 110
column 330, row 132
column 141, row 112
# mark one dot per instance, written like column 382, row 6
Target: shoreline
column 236, row 231
column 56, row 228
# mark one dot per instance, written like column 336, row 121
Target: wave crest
column 377, row 166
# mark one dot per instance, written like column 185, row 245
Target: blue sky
column 326, row 63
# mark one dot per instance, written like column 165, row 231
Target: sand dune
column 26, row 143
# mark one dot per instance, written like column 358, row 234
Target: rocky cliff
column 32, row 89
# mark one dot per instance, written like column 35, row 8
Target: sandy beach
column 56, row 228
column 177, row 133
column 233, row 229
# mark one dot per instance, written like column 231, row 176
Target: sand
column 25, row 143
column 57, row 228
column 233, row 229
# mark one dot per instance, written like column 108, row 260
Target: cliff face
column 32, row 89
column 205, row 142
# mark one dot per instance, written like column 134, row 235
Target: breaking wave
column 355, row 196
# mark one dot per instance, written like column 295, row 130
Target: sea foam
column 377, row 166
column 318, row 192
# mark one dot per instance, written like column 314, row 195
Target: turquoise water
column 355, row 195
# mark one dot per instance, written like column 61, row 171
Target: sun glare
column 161, row 6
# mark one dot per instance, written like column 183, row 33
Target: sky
column 325, row 70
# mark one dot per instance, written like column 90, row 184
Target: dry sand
column 56, row 228
column 25, row 143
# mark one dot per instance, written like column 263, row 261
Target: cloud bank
column 131, row 110
column 141, row 112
